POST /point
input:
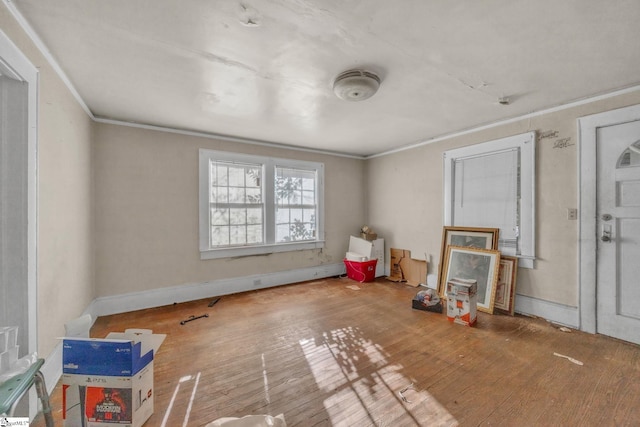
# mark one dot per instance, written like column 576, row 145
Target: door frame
column 588, row 234
column 18, row 66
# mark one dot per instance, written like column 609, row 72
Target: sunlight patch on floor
column 369, row 396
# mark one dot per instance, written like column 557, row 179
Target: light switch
column 572, row 214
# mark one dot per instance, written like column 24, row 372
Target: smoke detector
column 356, row 85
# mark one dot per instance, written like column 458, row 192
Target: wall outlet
column 572, row 214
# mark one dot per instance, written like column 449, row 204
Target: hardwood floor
column 324, row 354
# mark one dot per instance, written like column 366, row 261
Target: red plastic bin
column 364, row 271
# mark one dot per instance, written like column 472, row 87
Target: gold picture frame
column 477, row 237
column 472, row 263
column 506, row 285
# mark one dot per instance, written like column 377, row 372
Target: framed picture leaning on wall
column 481, row 265
column 475, row 237
column 506, row 285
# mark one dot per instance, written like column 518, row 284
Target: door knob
column 605, row 236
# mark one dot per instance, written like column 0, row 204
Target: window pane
column 236, row 195
column 238, row 235
column 221, row 174
column 254, row 177
column 221, row 193
column 254, row 216
column 631, row 156
column 236, row 176
column 309, row 183
column 282, row 215
column 287, row 190
column 300, row 231
column 254, row 195
column 296, row 215
column 309, row 215
column 254, row 234
column 238, row 216
column 219, row 216
column 219, row 236
column 282, row 233
column 308, row 198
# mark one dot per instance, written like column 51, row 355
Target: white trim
column 123, row 303
column 526, row 143
column 47, row 54
column 587, row 128
column 229, row 138
column 554, row 312
column 260, row 250
column 52, row 368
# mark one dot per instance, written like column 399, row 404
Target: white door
column 618, row 228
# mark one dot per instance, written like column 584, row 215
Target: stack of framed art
column 471, row 253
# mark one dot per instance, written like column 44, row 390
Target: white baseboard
column 554, row 312
column 123, row 303
column 52, row 368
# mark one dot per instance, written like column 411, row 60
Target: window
column 492, row 185
column 296, row 205
column 253, row 205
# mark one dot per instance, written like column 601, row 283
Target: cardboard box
column 109, row 381
column 102, row 400
column 395, row 271
column 403, row 268
column 414, row 271
column 361, row 247
column 462, row 301
column 369, row 236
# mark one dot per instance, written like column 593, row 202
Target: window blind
column 486, row 195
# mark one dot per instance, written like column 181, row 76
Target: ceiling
column 263, row 70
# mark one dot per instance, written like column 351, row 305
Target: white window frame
column 269, row 165
column 525, row 143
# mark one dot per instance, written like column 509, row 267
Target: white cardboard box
column 371, row 249
column 462, row 300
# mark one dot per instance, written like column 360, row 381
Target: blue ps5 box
column 90, row 356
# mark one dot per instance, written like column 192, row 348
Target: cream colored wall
column 405, row 197
column 65, row 283
column 146, row 211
